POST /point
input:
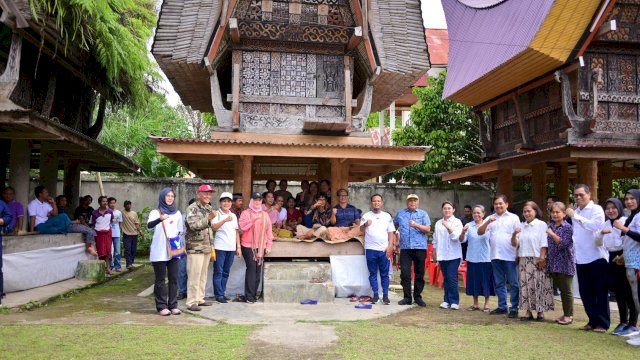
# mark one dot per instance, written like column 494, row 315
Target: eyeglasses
column 579, row 195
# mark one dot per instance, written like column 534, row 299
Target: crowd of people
column 528, row 260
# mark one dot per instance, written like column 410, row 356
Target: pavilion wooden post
column 562, row 182
column 19, row 166
column 588, row 175
column 605, row 180
column 71, row 183
column 339, row 178
column 324, row 170
column 539, row 180
column 49, row 169
column 505, row 183
column 243, row 177
column 5, row 148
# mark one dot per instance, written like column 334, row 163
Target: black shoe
column 221, row 300
column 498, row 311
column 421, row 303
column 405, row 301
column 513, row 315
column 226, row 298
column 385, row 300
column 375, row 299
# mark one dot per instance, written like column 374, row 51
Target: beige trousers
column 318, row 233
column 197, row 266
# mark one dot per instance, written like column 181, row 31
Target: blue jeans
column 503, row 272
column 221, row 268
column 115, row 264
column 182, row 276
column 450, row 276
column 377, row 260
column 1, row 275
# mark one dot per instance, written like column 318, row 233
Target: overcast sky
column 432, row 14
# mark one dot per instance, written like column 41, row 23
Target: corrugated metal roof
column 239, row 142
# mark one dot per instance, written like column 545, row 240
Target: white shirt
column 376, row 235
column 282, row 217
column 586, row 224
column 115, row 226
column 225, row 239
column 447, row 245
column 40, row 210
column 173, row 226
column 500, row 239
column 613, row 240
column 532, row 238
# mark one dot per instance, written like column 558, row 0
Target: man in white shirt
column 379, row 230
column 41, row 208
column 591, row 259
column 226, row 245
column 501, row 226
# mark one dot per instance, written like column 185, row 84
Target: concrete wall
column 143, row 192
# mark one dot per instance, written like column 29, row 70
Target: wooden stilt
column 49, row 169
column 71, row 183
column 562, row 182
column 336, row 179
column 505, row 183
column 539, row 182
column 242, row 177
column 588, row 175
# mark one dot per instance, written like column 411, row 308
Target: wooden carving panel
column 256, row 69
column 625, row 12
column 305, row 12
column 330, row 76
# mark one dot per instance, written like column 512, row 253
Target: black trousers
column 253, row 275
column 594, row 292
column 417, row 258
column 1, row 275
column 164, row 299
column 619, row 284
column 130, row 248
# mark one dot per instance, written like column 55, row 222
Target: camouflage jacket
column 198, row 235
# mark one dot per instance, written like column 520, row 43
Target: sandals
column 600, row 330
column 586, row 328
column 526, row 318
column 561, row 322
column 473, row 308
column 354, row 298
column 164, row 312
column 364, row 299
column 486, row 310
column 176, row 312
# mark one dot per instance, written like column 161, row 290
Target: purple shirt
column 17, row 210
column 561, row 258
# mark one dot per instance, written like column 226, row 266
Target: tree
column 450, row 128
column 127, row 130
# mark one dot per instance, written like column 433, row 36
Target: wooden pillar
column 588, row 175
column 243, row 177
column 235, row 88
column 71, row 183
column 19, row 166
column 336, row 175
column 605, row 180
column 505, row 183
column 5, row 148
column 345, row 174
column 539, row 182
column 562, row 182
column 49, row 169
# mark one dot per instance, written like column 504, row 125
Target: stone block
column 294, row 291
column 307, row 271
column 93, row 270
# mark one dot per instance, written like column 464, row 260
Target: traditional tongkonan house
column 292, row 83
column 556, row 84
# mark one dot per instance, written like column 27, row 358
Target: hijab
column 162, row 203
column 258, row 209
column 636, row 194
column 618, row 204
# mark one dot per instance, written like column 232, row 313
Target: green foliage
column 115, row 33
column 144, row 241
column 449, row 127
column 373, row 121
column 127, row 130
column 621, row 186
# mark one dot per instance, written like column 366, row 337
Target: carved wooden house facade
column 291, row 83
column 556, row 93
column 47, row 99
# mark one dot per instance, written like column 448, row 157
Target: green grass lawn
column 122, row 342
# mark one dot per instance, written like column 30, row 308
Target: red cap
column 206, row 188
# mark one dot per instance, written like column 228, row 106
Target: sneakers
column 164, row 312
column 375, row 299
column 498, row 311
column 385, row 300
column 206, row 303
column 421, row 303
column 444, row 305
column 194, row 307
column 455, row 307
column 221, row 300
column 176, row 312
column 405, row 301
column 635, row 341
column 618, row 329
column 629, row 331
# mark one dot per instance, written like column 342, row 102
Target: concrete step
column 294, row 291
column 308, row 271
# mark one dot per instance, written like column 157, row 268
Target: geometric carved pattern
column 622, row 127
column 256, row 68
column 330, row 70
column 280, row 12
column 297, row 33
column 335, row 17
column 309, row 14
column 334, row 12
column 293, row 75
column 255, row 10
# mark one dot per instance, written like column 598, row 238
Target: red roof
column 438, row 46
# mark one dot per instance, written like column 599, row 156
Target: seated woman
column 268, row 206
column 294, row 216
column 321, row 219
column 309, row 201
column 345, row 219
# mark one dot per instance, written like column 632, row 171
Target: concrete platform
column 316, row 249
column 267, row 313
column 30, row 242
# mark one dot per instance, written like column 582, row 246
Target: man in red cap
column 199, row 238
